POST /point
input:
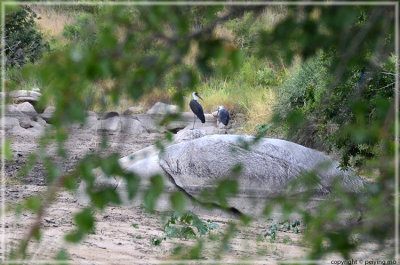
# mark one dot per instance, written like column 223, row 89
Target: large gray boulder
column 267, row 168
column 194, row 163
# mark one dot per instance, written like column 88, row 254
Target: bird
column 197, row 108
column 223, row 116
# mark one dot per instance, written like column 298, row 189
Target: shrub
column 23, row 42
column 83, row 30
column 315, row 114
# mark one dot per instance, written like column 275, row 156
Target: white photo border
column 395, row 4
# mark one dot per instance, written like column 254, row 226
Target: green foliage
column 284, row 226
column 183, row 225
column 156, row 241
column 23, row 42
column 244, row 30
column 83, row 30
column 346, row 118
column 61, row 256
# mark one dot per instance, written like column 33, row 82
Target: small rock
column 162, row 108
column 131, row 126
column 48, row 113
column 110, row 125
column 91, row 122
column 147, row 122
column 41, row 121
column 25, row 123
column 27, row 109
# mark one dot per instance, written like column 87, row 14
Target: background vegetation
column 319, row 76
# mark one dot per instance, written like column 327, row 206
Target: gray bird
column 223, row 116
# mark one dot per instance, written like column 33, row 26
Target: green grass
column 249, row 91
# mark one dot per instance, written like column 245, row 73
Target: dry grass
column 52, row 22
column 256, row 104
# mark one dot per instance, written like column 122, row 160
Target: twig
column 391, row 84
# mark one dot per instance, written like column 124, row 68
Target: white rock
column 18, row 96
column 162, row 108
column 27, row 109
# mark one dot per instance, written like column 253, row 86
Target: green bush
column 23, row 42
column 320, row 116
column 83, row 30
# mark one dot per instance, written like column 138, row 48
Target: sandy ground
column 115, row 240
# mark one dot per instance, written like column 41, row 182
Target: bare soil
column 115, row 239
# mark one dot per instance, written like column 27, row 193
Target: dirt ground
column 123, row 234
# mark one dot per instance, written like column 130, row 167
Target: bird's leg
column 194, row 121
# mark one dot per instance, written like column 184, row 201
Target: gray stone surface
column 41, row 121
column 25, row 123
column 194, row 162
column 48, row 113
column 267, row 168
column 162, row 108
column 28, row 109
column 110, row 125
column 109, row 114
column 187, row 135
column 148, row 123
column 131, row 126
column 91, row 122
column 9, row 123
column 18, row 96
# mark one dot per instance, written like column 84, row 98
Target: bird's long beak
column 200, row 97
